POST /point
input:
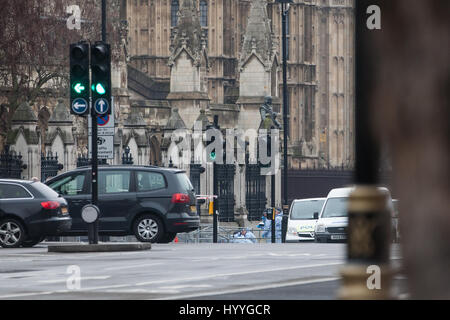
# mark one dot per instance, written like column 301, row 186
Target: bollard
column 368, row 274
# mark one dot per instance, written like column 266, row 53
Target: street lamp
column 284, row 13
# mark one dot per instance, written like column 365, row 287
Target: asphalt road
column 178, row 271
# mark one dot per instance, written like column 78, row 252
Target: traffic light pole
column 104, row 20
column 215, row 203
column 284, row 13
column 93, row 227
column 272, row 200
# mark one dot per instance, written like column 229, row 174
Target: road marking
column 220, row 275
column 185, row 286
column 247, row 289
column 81, row 279
column 134, row 266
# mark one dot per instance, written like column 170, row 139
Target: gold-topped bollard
column 368, row 274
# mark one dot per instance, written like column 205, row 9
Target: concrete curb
column 101, row 247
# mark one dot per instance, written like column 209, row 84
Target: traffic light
column 79, row 78
column 212, row 156
column 101, row 77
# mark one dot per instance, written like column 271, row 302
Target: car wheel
column 12, row 233
column 148, row 228
column 32, row 242
column 168, row 237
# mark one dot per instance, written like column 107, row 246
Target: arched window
column 204, row 13
column 173, row 12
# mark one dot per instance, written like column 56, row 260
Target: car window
column 335, row 207
column 45, row 190
column 304, row 210
column 114, row 182
column 149, row 181
column 69, row 185
column 184, row 181
column 13, row 191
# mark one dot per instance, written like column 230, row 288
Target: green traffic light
column 100, row 89
column 79, row 88
column 212, row 155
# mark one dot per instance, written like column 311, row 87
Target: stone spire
column 61, row 114
column 24, row 114
column 175, row 121
column 258, row 38
column 188, row 35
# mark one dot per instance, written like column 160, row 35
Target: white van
column 333, row 219
column 303, row 216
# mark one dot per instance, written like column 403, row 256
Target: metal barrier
column 225, row 234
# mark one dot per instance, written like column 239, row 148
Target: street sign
column 101, row 106
column 90, row 213
column 105, row 145
column 103, row 121
column 79, row 106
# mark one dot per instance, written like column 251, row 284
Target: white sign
column 105, row 147
column 105, row 134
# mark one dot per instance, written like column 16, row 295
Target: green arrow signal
column 79, row 88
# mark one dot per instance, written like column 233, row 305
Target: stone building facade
column 182, row 62
column 243, row 46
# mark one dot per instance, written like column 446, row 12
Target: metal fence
column 255, row 191
column 127, row 157
column 11, row 164
column 225, row 191
column 83, row 161
column 49, row 166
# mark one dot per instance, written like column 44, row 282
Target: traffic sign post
column 96, row 58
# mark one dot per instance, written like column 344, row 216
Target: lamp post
column 284, row 13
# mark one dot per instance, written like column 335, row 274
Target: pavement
column 180, row 271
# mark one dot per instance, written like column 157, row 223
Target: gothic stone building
column 182, row 61
column 235, row 46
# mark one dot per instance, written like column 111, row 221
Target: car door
column 73, row 187
column 116, row 199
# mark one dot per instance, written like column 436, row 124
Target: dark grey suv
column 29, row 212
column 152, row 203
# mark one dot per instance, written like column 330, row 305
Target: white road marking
column 247, row 289
column 186, row 286
column 110, row 287
column 81, row 279
column 133, row 266
column 220, row 275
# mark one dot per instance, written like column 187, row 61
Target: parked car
column 151, row 203
column 303, row 216
column 333, row 219
column 29, row 212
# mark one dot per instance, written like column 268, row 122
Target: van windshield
column 304, row 210
column 335, row 207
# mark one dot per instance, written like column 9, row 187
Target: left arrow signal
column 79, row 88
